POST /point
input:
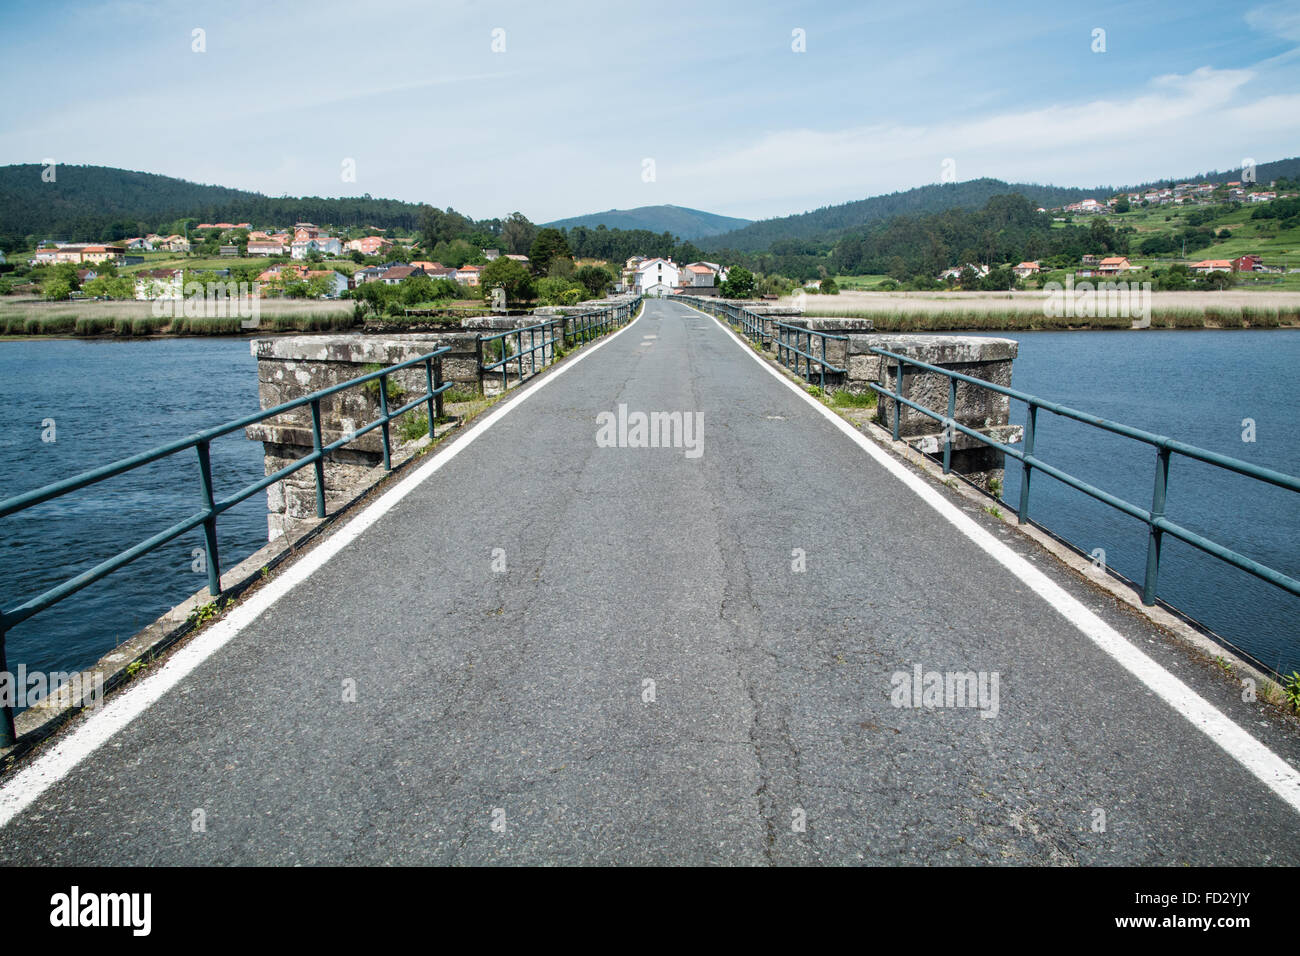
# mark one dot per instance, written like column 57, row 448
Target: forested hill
column 104, row 203
column 682, row 222
column 851, row 215
column 973, row 194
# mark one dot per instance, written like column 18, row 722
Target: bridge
column 772, row 641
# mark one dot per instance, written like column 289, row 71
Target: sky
column 557, row 108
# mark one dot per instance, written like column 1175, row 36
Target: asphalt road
column 504, row 716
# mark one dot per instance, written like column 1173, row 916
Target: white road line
column 1272, row 770
column 53, row 765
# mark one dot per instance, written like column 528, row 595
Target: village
column 311, row 261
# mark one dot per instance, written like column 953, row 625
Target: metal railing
column 542, row 337
column 210, row 507
column 1154, row 517
column 582, row 327
column 790, row 338
column 753, row 325
column 576, row 329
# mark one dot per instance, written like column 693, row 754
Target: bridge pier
column 980, row 409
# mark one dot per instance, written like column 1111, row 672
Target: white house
column 265, row 247
column 657, row 277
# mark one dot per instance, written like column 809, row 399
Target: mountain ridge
column 682, row 221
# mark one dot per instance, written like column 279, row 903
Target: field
column 172, row 260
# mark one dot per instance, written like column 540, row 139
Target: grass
column 395, row 391
column 1013, row 316
column 846, row 399
column 133, row 319
column 454, row 396
column 413, row 426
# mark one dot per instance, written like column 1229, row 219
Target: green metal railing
column 576, row 329
column 582, row 327
column 1154, row 517
column 794, row 343
column 753, row 325
column 210, row 507
column 542, row 337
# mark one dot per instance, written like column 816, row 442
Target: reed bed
column 953, row 320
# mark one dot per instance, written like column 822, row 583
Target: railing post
column 1027, row 469
column 898, row 396
column 823, row 364
column 383, row 409
column 429, row 404
column 8, row 736
column 1155, row 534
column 478, row 351
column 948, row 425
column 318, row 466
column 210, row 522
column 438, row 405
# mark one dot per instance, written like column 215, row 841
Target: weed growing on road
column 204, row 613
column 1292, row 692
column 1271, row 693
column 992, row 510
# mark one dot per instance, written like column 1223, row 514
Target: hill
column 104, row 203
column 682, row 222
column 972, row 194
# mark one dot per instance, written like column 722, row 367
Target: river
column 1201, row 387
column 108, row 400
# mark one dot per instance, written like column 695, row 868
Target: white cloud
column 1282, row 19
column 1179, row 125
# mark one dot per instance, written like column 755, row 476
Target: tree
column 596, row 279
column 828, row 286
column 517, row 234
column 555, row 290
column 548, row 246
column 510, row 275
column 739, row 284
column 372, row 295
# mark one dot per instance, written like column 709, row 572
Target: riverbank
column 36, row 318
column 1028, row 311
